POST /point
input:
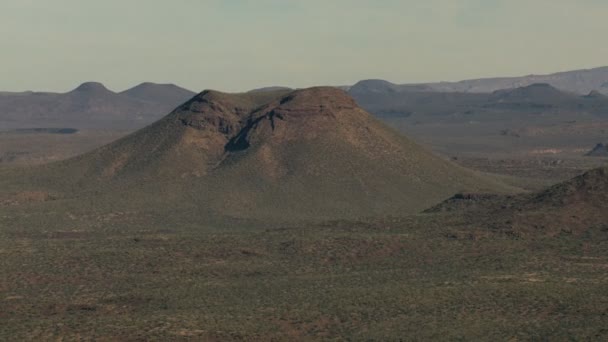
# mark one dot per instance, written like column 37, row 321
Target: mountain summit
column 160, row 94
column 303, row 154
column 92, row 87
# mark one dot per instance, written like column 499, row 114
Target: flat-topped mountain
column 159, row 94
column 92, row 88
column 305, row 154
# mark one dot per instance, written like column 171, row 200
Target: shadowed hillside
column 575, row 207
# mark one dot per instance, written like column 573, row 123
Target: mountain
column 90, row 105
column 309, row 153
column 577, row 81
column 160, row 94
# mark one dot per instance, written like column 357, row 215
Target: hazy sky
column 237, row 45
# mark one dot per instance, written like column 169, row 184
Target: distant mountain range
column 536, row 99
column 90, row 105
column 538, row 118
column 577, row 81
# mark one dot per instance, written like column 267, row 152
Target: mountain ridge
column 90, row 106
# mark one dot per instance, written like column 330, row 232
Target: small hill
column 600, row 150
column 93, row 88
column 595, row 95
column 309, row 153
column 542, row 92
column 539, row 96
column 576, row 207
column 374, row 86
column 168, row 96
column 590, row 188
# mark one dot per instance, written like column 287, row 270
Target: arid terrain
column 303, row 171
column 295, row 215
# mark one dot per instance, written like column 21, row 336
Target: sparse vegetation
column 161, row 275
column 129, row 243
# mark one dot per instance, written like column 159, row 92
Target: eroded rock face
column 204, row 112
column 241, row 122
column 302, row 114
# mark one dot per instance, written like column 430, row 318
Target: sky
column 237, row 45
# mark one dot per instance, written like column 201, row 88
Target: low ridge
column 578, row 207
column 574, row 207
column 537, row 92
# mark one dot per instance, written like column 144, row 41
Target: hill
column 167, row 96
column 382, row 86
column 309, row 153
column 576, row 207
column 600, row 150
